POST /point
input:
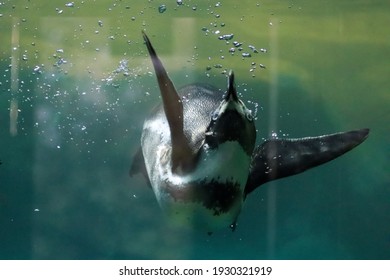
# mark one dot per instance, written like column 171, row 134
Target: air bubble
column 226, row 37
column 253, row 48
column 61, row 61
column 162, row 8
column 37, row 69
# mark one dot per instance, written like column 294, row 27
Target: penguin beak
column 231, row 94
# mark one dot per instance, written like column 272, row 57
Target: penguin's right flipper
column 138, row 166
column 278, row 158
column 183, row 156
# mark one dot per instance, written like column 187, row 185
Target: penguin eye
column 249, row 115
column 215, row 116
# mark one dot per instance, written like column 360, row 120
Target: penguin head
column 231, row 121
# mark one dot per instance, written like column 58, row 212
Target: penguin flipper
column 138, row 166
column 182, row 155
column 278, row 158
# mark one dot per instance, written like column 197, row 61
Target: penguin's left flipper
column 278, row 158
column 138, row 166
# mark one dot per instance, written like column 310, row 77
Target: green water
column 76, row 85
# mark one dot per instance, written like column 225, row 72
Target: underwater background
column 76, row 84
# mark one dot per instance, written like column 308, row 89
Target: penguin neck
column 226, row 163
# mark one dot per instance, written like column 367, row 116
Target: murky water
column 76, row 84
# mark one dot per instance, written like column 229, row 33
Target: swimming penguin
column 198, row 152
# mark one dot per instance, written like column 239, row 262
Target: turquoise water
column 76, row 84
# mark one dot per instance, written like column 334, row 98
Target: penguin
column 199, row 157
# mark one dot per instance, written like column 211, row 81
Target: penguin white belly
column 211, row 196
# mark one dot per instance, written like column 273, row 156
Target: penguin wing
column 138, row 166
column 182, row 156
column 278, row 158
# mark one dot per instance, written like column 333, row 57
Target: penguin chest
column 211, row 196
